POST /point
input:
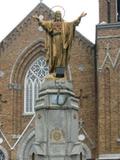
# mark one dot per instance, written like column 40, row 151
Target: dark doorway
column 81, row 156
column 33, row 156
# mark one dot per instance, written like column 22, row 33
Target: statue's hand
column 83, row 14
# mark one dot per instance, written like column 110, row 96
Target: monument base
column 56, row 122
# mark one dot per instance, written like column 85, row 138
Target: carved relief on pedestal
column 57, row 135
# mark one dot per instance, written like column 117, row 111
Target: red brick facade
column 98, row 82
column 108, row 50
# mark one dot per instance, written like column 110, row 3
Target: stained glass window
column 34, row 78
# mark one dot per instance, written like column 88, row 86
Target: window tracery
column 34, row 78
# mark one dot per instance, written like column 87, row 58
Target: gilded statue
column 59, row 36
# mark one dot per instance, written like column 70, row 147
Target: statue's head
column 58, row 16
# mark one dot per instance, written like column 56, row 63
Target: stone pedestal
column 56, row 123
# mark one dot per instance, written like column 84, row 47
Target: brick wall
column 108, row 88
column 103, row 11
column 18, row 51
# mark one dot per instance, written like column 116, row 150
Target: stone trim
column 109, row 58
column 108, row 37
column 14, row 86
column 109, row 156
column 108, row 26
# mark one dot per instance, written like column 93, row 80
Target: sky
column 12, row 12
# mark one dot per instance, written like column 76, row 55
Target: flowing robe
column 59, row 35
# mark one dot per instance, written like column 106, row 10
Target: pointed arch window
column 109, row 10
column 34, row 78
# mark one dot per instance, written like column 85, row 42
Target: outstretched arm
column 77, row 21
column 38, row 19
column 45, row 24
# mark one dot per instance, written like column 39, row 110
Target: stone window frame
column 34, row 78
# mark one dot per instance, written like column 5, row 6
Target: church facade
column 93, row 69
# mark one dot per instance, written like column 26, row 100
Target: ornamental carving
column 57, row 135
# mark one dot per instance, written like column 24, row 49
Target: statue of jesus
column 59, row 36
